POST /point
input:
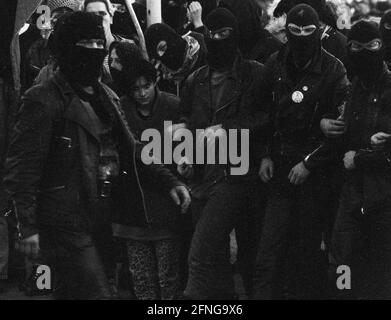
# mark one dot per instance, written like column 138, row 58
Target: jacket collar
column 75, row 109
column 234, row 72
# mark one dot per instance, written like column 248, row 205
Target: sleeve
column 27, row 153
column 373, row 160
column 186, row 98
column 335, row 105
column 158, row 175
column 340, row 92
column 265, row 106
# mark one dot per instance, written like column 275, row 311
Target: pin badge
column 305, row 88
column 297, row 97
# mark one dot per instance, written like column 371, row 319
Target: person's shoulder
column 331, row 61
column 44, row 92
column 169, row 97
column 198, row 74
column 42, row 101
column 110, row 92
column 255, row 64
column 336, row 34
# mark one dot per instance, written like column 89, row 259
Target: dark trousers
column 363, row 243
column 289, row 249
column 77, row 263
column 82, row 258
column 210, row 271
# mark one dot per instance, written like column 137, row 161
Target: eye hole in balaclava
column 302, row 29
column 164, row 44
column 385, row 31
column 365, row 50
column 222, row 39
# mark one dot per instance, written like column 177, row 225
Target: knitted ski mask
column 365, row 51
column 164, row 44
column 385, row 31
column 79, row 64
column 302, row 30
column 222, row 51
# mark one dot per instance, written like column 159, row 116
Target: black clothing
column 298, row 103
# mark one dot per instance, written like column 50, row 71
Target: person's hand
column 181, row 196
column 299, row 174
column 211, row 134
column 29, row 246
column 175, row 127
column 348, row 160
column 194, row 14
column 332, row 128
column 185, row 168
column 266, row 170
column 379, row 139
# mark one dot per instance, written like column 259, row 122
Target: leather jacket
column 52, row 161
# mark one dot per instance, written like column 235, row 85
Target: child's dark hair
column 143, row 69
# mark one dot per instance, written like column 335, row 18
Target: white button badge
column 297, row 97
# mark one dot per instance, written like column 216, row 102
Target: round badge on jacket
column 297, row 97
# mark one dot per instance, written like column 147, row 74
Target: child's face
column 143, row 91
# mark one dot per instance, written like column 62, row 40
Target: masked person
column 178, row 56
column 301, row 83
column 122, row 55
column 385, row 32
column 255, row 42
column 39, row 63
column 71, row 159
column 106, row 10
column 333, row 40
column 222, row 95
column 361, row 235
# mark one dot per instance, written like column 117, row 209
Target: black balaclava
column 80, row 65
column 221, row 53
column 164, row 44
column 385, row 32
column 248, row 14
column 303, row 48
column 367, row 65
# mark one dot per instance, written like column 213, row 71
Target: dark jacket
column 335, row 43
column 295, row 126
column 162, row 211
column 241, row 108
column 367, row 113
column 165, row 108
column 52, row 161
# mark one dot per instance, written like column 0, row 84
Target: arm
column 332, row 146
column 372, row 160
column 28, row 150
column 166, row 181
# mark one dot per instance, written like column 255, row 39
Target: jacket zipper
column 140, row 187
column 223, row 107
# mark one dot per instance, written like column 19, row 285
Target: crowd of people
column 308, row 80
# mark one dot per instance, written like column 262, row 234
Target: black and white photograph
column 213, row 151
